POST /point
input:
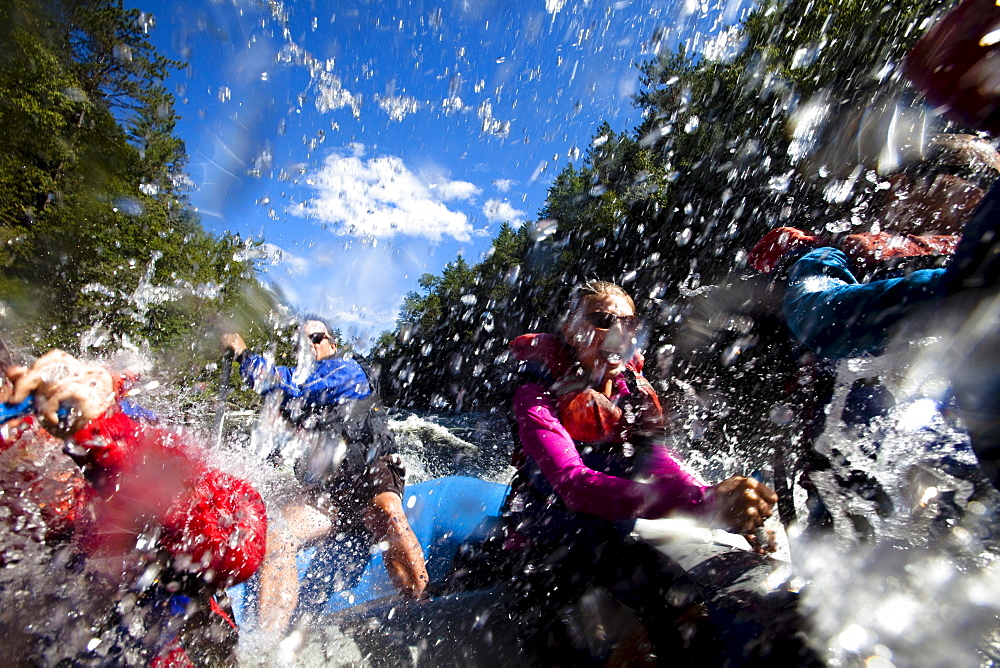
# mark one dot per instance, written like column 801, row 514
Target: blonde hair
column 595, row 288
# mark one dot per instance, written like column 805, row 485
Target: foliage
column 101, row 249
column 448, row 337
column 722, row 155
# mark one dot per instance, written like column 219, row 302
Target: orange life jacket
column 608, row 415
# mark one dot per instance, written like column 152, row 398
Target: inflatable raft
column 749, row 598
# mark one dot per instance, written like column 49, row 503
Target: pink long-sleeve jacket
column 569, row 476
column 665, row 484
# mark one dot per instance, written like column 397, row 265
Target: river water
column 914, row 582
column 919, row 586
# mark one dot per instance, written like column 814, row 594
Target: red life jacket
column 588, row 414
column 866, row 249
column 212, row 521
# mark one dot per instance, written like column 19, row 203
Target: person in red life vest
column 918, row 217
column 591, row 460
column 160, row 529
column 955, row 65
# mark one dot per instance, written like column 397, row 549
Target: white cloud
column 355, row 320
column 498, row 211
column 503, row 185
column 449, row 190
column 277, row 256
column 381, row 197
column 359, row 286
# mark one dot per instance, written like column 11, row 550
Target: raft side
column 443, row 513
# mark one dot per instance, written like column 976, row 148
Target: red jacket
column 140, row 478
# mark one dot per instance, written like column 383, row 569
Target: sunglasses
column 605, row 320
column 317, row 337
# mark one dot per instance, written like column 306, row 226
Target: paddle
column 220, row 402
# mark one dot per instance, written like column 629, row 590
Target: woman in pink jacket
column 590, row 461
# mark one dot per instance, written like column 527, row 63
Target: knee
column 281, row 544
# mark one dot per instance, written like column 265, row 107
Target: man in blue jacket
column 837, row 316
column 351, row 479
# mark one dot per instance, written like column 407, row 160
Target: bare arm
column 404, row 558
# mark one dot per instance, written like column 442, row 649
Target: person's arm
column 262, row 376
column 738, row 503
column 404, row 558
column 834, row 315
column 545, row 440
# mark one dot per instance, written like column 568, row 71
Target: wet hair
column 965, row 156
column 595, row 288
column 312, row 317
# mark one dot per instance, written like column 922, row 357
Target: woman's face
column 602, row 332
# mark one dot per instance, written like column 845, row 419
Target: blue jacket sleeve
column 833, row 314
column 262, row 376
column 333, row 381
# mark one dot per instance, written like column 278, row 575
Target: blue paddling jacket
column 338, row 406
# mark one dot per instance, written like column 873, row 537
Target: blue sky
column 369, row 142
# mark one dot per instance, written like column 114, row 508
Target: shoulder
column 344, row 372
column 342, row 365
column 545, row 349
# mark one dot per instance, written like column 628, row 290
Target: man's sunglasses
column 605, row 320
column 317, row 337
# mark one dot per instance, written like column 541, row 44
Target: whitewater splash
column 909, row 573
column 435, row 445
column 922, row 589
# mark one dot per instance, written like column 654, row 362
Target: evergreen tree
column 676, row 203
column 100, row 246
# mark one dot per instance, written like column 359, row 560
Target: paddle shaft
column 220, row 402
